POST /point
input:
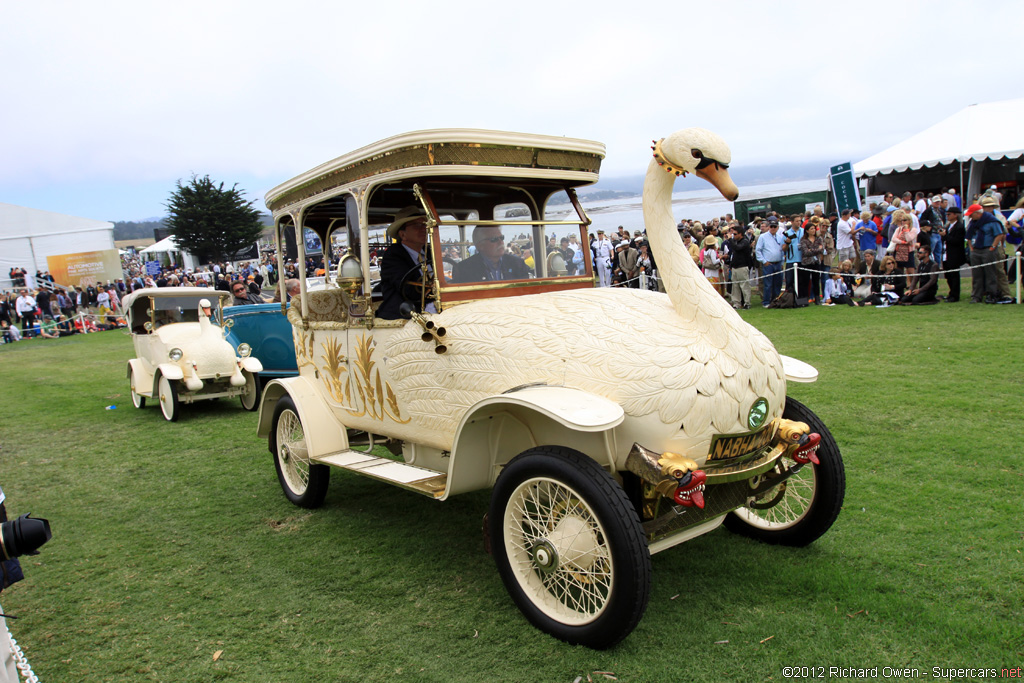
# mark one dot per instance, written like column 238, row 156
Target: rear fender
column 323, row 431
column 500, row 427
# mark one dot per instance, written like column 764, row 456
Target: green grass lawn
column 173, row 542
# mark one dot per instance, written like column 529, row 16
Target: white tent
column 968, row 138
column 168, row 244
column 28, row 236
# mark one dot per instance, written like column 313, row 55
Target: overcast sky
column 107, row 103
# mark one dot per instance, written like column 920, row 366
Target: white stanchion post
column 796, row 282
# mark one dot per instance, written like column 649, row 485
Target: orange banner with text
column 85, row 268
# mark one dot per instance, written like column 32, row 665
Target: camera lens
column 23, row 536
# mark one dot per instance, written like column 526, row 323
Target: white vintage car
column 182, row 356
column 611, row 423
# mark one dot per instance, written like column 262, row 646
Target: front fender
column 170, row 371
column 251, row 364
column 500, row 427
column 798, row 371
column 323, row 431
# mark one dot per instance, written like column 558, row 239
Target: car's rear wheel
column 303, row 483
column 807, row 503
column 137, row 400
column 250, row 397
column 167, row 391
column 569, row 547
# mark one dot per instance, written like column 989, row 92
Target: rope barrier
column 798, row 267
column 21, row 662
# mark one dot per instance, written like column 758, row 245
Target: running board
column 418, row 479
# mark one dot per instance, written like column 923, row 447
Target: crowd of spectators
column 892, row 253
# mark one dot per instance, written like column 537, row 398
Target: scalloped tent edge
column 979, row 132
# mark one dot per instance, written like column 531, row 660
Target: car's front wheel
column 569, row 547
column 167, row 392
column 250, row 397
column 803, row 507
column 303, row 483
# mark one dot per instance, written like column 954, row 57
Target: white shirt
column 844, row 235
column 25, row 304
column 603, row 248
column 921, row 206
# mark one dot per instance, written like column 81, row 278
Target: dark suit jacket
column 473, row 269
column 397, row 270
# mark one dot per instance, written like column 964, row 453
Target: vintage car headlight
column 175, row 354
column 244, row 350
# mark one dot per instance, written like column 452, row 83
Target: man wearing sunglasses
column 926, row 280
column 243, row 296
column 491, row 262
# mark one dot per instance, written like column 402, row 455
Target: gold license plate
column 729, row 447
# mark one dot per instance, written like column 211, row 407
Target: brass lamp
column 350, row 281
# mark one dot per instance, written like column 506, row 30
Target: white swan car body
column 612, row 423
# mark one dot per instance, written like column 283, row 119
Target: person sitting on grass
column 836, row 291
column 52, row 329
column 871, row 267
column 888, row 288
column 926, row 281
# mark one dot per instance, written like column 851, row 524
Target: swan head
column 698, row 151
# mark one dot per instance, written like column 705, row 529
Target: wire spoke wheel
column 304, row 483
column 795, row 496
column 569, row 546
column 807, row 503
column 291, row 452
column 558, row 550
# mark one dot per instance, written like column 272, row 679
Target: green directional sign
column 844, row 187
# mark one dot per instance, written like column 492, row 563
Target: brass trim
column 768, row 430
column 489, row 222
column 744, row 470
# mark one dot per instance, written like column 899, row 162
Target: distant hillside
column 751, row 175
column 132, row 230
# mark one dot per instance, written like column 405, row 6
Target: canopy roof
column 980, row 131
column 166, row 244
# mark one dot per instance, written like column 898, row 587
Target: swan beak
column 719, row 177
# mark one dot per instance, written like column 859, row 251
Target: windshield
column 173, row 309
column 511, row 243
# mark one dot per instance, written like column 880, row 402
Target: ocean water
column 700, row 204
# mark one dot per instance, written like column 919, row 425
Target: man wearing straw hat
column 401, row 269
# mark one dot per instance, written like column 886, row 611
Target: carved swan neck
column 691, row 294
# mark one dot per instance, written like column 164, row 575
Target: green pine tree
column 211, row 222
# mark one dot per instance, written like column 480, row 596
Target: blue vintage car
column 265, row 328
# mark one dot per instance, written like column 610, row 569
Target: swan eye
column 697, row 154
